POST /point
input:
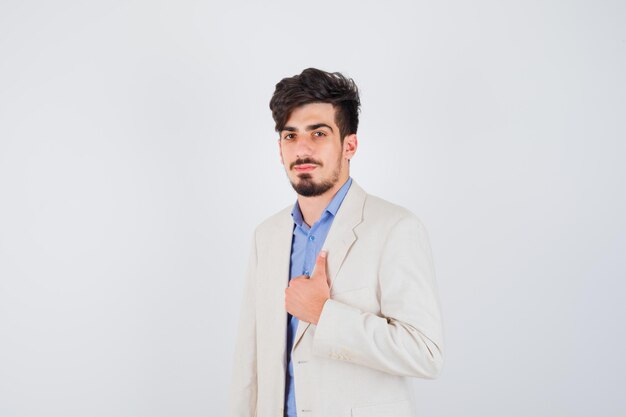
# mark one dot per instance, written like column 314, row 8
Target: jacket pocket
column 395, row 409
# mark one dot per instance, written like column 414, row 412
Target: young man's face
column 311, row 150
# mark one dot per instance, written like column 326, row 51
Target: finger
column 298, row 279
column 320, row 265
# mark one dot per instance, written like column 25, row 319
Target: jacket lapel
column 340, row 239
column 276, row 255
column 280, row 249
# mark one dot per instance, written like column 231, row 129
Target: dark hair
column 317, row 86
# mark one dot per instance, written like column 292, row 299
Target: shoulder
column 274, row 222
column 388, row 214
column 396, row 227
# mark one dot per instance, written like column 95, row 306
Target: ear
column 350, row 143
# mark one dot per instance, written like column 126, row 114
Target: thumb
column 320, row 266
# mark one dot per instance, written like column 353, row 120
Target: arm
column 243, row 397
column 408, row 339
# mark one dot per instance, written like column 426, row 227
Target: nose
column 304, row 147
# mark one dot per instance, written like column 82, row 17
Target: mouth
column 304, row 167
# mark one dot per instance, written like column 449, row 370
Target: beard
column 307, row 187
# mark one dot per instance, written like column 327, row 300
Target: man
column 340, row 302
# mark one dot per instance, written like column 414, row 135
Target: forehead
column 311, row 113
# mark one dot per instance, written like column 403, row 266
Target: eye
column 288, row 136
column 319, row 134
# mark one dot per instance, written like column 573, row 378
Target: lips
column 304, row 167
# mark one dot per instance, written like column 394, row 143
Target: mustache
column 305, row 161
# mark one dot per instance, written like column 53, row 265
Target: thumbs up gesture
column 305, row 297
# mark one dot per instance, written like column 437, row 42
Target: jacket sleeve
column 243, row 395
column 407, row 337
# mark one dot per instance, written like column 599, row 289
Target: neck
column 313, row 207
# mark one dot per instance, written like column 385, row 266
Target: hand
column 305, row 297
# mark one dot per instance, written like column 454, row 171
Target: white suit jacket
column 381, row 325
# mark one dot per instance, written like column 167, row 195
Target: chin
column 306, row 187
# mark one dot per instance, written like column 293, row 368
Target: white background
column 137, row 154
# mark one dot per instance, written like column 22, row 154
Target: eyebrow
column 308, row 128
